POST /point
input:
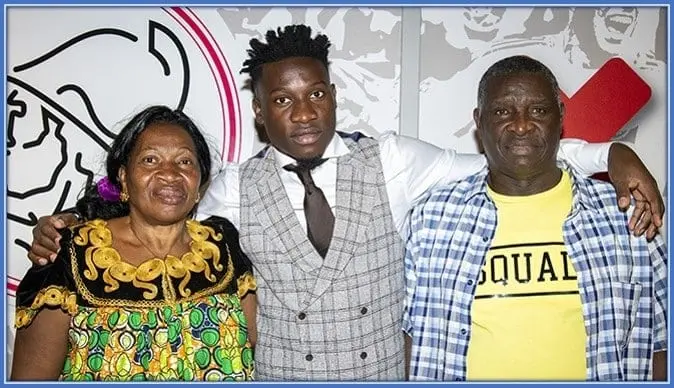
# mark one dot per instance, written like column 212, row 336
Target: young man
column 525, row 270
column 326, row 241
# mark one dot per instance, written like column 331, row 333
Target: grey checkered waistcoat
column 332, row 319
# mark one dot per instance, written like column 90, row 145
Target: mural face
column 482, row 23
column 635, row 34
column 613, row 25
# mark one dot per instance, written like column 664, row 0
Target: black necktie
column 320, row 220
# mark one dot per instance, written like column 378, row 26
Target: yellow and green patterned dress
column 167, row 319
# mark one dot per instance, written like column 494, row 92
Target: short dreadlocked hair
column 291, row 41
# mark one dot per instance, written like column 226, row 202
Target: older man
column 525, row 270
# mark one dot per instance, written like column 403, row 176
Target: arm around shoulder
column 586, row 158
column 414, row 166
column 46, row 236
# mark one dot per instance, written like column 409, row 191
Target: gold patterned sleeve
column 48, row 286
column 243, row 268
column 245, row 284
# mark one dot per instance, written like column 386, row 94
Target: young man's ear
column 257, row 110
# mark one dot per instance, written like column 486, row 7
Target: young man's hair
column 291, row 41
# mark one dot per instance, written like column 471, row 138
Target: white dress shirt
column 411, row 167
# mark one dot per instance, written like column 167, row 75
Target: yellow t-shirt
column 527, row 321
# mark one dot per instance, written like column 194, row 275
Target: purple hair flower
column 107, row 190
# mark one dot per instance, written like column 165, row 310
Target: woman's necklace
column 155, row 255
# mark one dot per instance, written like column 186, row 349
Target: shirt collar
column 335, row 149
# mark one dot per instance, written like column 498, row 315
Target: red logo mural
column 605, row 103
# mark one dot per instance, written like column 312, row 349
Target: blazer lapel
column 277, row 217
column 357, row 189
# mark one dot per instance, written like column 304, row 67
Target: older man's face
column 519, row 125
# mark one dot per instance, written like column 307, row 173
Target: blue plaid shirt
column 622, row 280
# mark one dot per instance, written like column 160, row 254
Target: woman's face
column 162, row 176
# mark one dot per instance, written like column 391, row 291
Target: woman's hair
column 93, row 205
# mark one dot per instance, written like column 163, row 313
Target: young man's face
column 295, row 102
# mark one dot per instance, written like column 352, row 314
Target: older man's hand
column 631, row 178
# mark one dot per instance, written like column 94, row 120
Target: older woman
column 142, row 291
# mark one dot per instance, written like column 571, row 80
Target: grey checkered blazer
column 332, row 319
